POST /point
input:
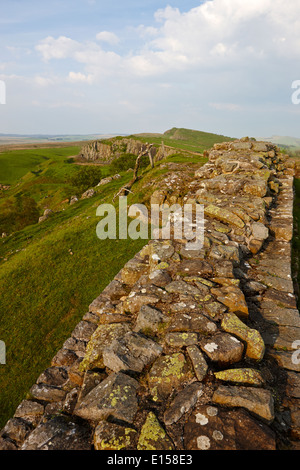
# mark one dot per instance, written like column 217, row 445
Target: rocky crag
column 187, row 349
column 107, row 151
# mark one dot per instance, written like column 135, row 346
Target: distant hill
column 187, row 139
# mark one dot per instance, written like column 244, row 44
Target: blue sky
column 94, row 66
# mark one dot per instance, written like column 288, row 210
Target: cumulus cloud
column 215, row 33
column 107, row 36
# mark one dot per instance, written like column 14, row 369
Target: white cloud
column 215, row 33
column 78, row 77
column 107, row 36
column 60, row 48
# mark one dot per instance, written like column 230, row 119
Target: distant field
column 15, row 164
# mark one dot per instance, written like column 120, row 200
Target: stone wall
column 187, row 349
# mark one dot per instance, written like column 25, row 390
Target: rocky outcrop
column 106, row 151
column 187, row 349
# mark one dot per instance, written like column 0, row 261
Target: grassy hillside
column 187, row 139
column 15, row 164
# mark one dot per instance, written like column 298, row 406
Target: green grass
column 45, row 291
column 15, row 164
column 186, row 139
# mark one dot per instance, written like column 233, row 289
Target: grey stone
column 222, row 348
column 17, row 430
column 47, row 392
column 199, row 363
column 131, row 353
column 258, row 401
column 59, row 433
column 30, row 411
column 183, row 403
column 150, row 319
column 114, row 396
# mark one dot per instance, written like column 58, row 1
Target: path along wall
column 187, row 349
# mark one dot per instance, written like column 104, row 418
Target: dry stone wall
column 187, row 349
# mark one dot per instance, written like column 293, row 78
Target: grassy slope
column 15, row 164
column 187, row 139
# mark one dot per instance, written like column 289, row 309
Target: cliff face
column 187, row 349
column 106, row 152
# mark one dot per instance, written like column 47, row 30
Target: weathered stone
column 245, row 376
column 225, row 252
column 222, row 348
column 64, row 357
column 281, row 337
column 199, row 363
column 255, row 344
column 233, row 298
column 17, row 430
column 293, row 384
column 160, row 252
column 195, row 267
column 150, row 320
column 47, row 392
column 132, row 271
column 59, row 433
column 282, row 230
column 90, row 380
column 168, row 373
column 30, row 411
column 160, row 278
column 135, row 301
column 115, row 396
column 259, row 231
column 103, row 335
column 89, row 193
column 181, row 339
column 215, row 310
column 213, row 428
column 7, row 444
column 56, row 376
column 70, row 401
column 285, row 359
column 256, row 187
column 132, row 352
column 75, row 373
column 153, row 436
column 183, row 403
column 78, row 347
column 189, row 322
column 257, row 401
column 110, row 436
column 224, row 215
column 181, row 287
